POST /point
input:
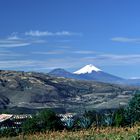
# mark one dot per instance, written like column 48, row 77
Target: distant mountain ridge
column 90, row 72
column 63, row 73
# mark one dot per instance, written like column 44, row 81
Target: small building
column 5, row 121
column 12, row 121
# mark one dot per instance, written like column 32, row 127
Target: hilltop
column 31, row 90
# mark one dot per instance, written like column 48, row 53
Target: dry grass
column 90, row 134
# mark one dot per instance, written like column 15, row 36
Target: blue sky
column 40, row 35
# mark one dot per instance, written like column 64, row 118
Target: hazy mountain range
column 92, row 73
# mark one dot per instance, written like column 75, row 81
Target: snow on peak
column 87, row 69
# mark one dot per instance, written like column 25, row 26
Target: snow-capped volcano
column 88, row 72
column 87, row 69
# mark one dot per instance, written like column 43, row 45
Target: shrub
column 45, row 120
column 119, row 117
column 133, row 110
column 8, row 132
column 48, row 120
column 30, row 125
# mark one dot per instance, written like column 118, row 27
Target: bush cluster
column 43, row 121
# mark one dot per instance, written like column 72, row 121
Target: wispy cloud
column 64, row 50
column 85, row 52
column 13, row 37
column 15, row 41
column 71, row 62
column 16, row 64
column 53, row 52
column 8, row 54
column 99, row 60
column 125, row 39
column 114, row 59
column 134, row 78
column 29, row 65
column 38, row 33
column 12, row 44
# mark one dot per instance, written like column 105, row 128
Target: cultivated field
column 107, row 133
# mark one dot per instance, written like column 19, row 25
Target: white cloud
column 38, row 33
column 14, row 44
column 71, row 62
column 53, row 52
column 125, row 39
column 28, row 65
column 85, row 52
column 115, row 59
column 28, row 38
column 15, row 63
column 13, row 37
column 121, row 56
column 134, row 78
column 15, row 41
column 64, row 51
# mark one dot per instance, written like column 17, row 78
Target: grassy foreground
column 90, row 134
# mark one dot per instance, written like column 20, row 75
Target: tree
column 119, row 117
column 30, row 125
column 133, row 110
column 45, row 120
column 48, row 120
